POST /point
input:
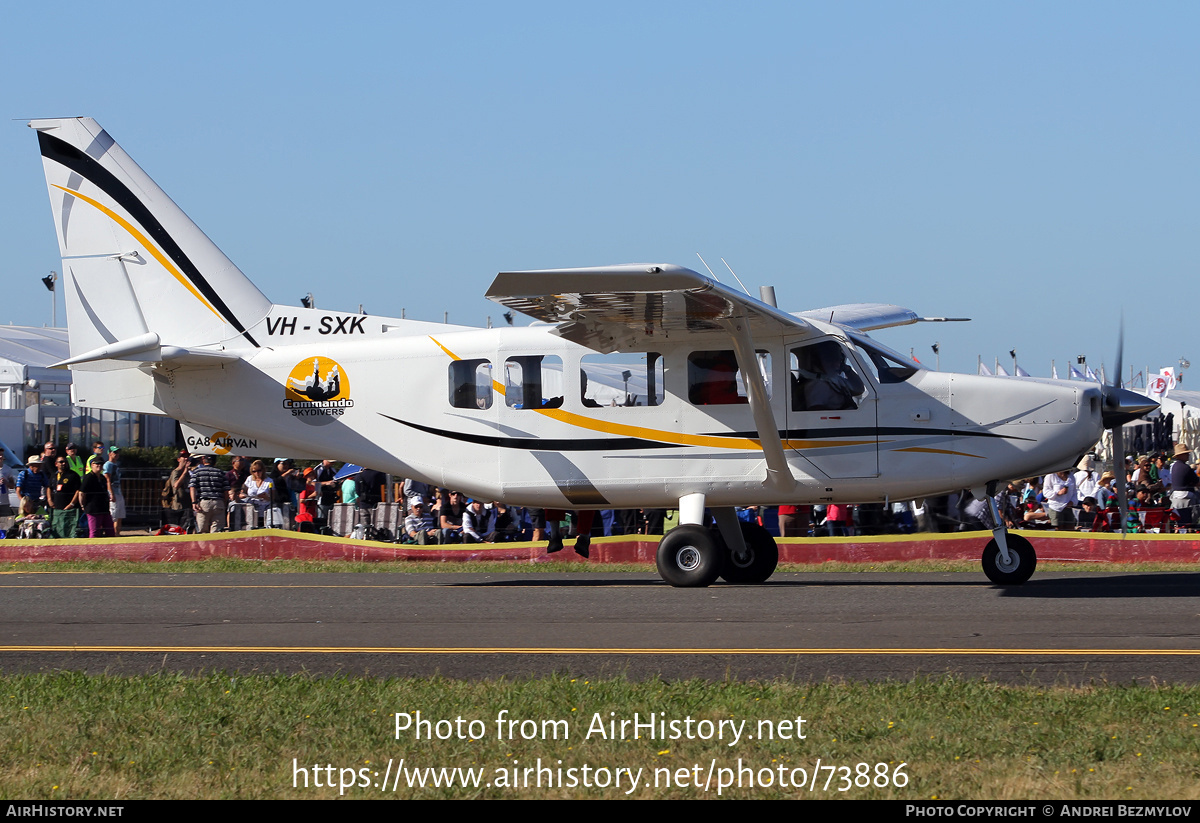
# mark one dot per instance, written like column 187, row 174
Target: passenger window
column 471, row 384
column 823, row 378
column 714, row 379
column 624, row 379
column 533, row 382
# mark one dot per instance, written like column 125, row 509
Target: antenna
column 710, row 271
column 735, row 277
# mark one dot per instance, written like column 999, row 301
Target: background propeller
column 1121, row 406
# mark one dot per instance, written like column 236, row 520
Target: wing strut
column 779, row 474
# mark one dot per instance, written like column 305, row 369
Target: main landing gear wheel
column 759, row 561
column 1022, row 561
column 689, row 557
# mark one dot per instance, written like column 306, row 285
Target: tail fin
column 135, row 268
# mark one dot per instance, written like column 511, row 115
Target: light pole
column 48, row 281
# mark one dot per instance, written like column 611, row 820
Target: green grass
column 67, row 735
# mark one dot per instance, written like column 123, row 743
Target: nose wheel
column 1022, row 560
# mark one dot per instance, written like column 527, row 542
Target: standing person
column 794, row 521
column 326, row 488
column 210, row 495
column 64, row 501
column 1183, row 485
column 31, row 483
column 281, row 483
column 237, row 475
column 838, row 518
column 1087, row 479
column 1059, row 491
column 1106, row 495
column 75, row 461
column 112, row 473
column 94, row 497
column 179, row 510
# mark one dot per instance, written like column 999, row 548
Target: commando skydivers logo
column 317, row 388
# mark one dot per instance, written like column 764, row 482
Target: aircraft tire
column 689, row 557
column 760, row 562
column 1024, row 561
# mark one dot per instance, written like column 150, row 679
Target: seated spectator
column 478, row 523
column 258, row 490
column 451, row 518
column 31, row 522
column 419, row 525
column 1090, row 516
column 508, row 523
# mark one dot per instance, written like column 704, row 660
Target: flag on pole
column 1000, row 372
column 1053, row 371
column 984, row 369
column 1021, row 372
column 1076, row 374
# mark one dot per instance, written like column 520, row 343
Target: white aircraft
column 724, row 400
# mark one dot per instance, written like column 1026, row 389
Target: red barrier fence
column 271, row 544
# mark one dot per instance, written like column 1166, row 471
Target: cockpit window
column 889, row 366
column 823, row 378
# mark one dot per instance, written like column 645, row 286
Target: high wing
column 610, row 308
column 871, row 316
column 628, row 307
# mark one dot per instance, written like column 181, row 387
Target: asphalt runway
column 1059, row 628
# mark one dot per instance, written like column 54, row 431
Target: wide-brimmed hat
column 1182, row 449
column 1086, row 464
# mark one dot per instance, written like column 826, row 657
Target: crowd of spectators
column 69, row 495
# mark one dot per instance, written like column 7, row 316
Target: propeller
column 1121, row 406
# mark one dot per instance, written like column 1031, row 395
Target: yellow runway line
column 600, row 651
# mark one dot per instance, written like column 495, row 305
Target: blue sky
column 1030, row 165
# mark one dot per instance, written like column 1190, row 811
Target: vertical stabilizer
column 133, row 263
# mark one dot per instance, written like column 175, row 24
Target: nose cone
column 1121, row 406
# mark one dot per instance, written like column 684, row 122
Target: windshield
column 889, row 366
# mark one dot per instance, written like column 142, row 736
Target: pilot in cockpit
column 824, row 381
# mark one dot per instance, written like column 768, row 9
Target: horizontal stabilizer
column 147, row 348
column 871, row 316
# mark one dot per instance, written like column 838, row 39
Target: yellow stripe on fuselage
column 145, row 241
column 924, row 450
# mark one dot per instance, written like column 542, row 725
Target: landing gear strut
column 1008, row 559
